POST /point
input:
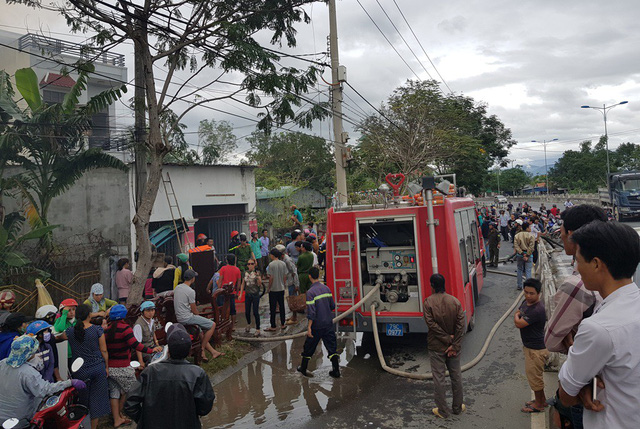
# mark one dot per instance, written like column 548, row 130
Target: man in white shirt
column 606, row 345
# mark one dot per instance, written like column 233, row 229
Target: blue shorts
column 292, row 290
column 204, row 323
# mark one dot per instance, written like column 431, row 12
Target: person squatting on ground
column 523, row 245
column 320, row 311
column 530, row 319
column 606, row 344
column 171, row 393
column 573, row 301
column 23, row 388
column 277, row 279
column 445, row 322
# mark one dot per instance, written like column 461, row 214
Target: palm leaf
column 27, row 84
column 16, row 259
column 101, row 101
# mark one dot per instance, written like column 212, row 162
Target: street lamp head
column 554, row 140
column 585, row 107
column 623, row 102
column 534, row 141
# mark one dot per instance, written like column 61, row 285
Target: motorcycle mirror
column 77, row 364
column 10, row 423
column 167, row 326
column 134, row 364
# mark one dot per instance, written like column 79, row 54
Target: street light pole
column 604, row 109
column 546, row 171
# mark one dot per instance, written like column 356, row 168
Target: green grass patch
column 233, row 351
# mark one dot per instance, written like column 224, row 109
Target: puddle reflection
column 270, row 391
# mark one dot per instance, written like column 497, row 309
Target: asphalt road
column 269, row 392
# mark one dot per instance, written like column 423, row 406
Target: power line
column 373, row 107
column 403, row 39
column 388, row 41
column 422, row 47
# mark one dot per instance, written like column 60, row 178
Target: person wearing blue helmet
column 43, row 361
column 145, row 330
column 120, row 341
column 22, row 386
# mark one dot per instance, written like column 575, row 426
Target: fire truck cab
column 388, row 248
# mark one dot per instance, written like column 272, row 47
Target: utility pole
column 336, row 107
column 140, row 123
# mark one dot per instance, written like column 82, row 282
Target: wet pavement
column 270, row 393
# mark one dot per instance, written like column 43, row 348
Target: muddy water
column 270, row 392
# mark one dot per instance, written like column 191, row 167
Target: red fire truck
column 388, row 247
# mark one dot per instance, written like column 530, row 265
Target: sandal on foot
column 270, row 329
column 531, row 409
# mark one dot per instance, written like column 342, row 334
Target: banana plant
column 47, row 141
column 11, row 239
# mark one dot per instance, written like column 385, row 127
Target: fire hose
column 465, row 367
column 302, row 334
column 383, row 363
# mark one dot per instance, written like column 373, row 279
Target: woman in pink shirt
column 124, row 278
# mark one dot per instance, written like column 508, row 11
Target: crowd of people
column 595, row 317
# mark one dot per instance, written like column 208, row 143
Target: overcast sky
column 533, row 63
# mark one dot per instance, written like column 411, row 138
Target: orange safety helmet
column 70, row 302
column 234, row 233
column 201, row 237
column 7, row 299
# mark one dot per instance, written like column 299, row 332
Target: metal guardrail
column 57, row 47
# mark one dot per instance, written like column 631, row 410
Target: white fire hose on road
column 302, row 334
column 383, row 363
column 468, row 365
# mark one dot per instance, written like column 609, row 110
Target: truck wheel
column 472, row 322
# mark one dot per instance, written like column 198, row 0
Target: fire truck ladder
column 172, row 199
column 339, row 246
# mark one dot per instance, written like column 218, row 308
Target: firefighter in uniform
column 320, row 308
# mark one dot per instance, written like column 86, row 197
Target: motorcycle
column 57, row 411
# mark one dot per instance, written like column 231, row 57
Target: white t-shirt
column 607, row 344
column 183, row 297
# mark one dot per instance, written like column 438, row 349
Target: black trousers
column 328, row 337
column 505, row 233
column 275, row 299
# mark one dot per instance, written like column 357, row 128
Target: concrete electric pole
column 338, row 75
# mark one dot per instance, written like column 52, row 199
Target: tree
column 217, row 140
column 511, row 180
column 627, row 157
column 420, row 130
column 583, row 170
column 47, row 142
column 292, row 159
column 199, row 36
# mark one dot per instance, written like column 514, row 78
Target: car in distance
column 500, row 199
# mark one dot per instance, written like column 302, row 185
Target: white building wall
column 205, row 185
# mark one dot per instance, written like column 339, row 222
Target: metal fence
column 51, row 46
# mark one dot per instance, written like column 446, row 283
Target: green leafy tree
column 511, row 180
column 218, row 36
column 217, row 140
column 292, row 159
column 11, row 258
column 421, row 130
column 582, row 170
column 47, row 141
column 627, row 157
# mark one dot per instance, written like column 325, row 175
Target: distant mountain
column 536, row 170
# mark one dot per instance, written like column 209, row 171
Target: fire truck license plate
column 394, row 330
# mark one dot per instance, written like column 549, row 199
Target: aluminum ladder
column 337, row 247
column 172, row 200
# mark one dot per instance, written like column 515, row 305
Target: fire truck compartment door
column 370, row 221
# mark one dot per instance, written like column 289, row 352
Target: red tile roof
column 54, row 79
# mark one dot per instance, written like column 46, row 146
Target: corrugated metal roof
column 267, row 194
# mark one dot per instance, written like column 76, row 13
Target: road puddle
column 270, row 392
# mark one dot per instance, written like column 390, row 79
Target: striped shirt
column 120, row 343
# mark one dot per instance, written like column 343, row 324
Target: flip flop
column 530, row 404
column 204, row 359
column 221, row 354
column 531, row 409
